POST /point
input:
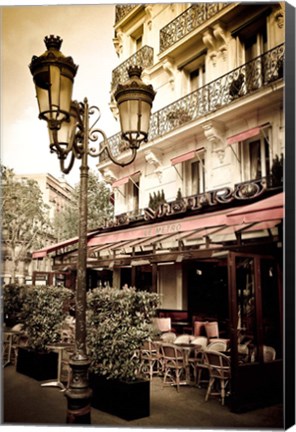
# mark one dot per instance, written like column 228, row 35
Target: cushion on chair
column 199, row 328
column 212, row 329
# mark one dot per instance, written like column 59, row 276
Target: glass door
column 255, row 304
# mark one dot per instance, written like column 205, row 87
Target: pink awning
column 264, row 210
column 41, row 253
column 124, row 180
column 45, row 251
column 242, row 136
column 173, row 227
column 186, row 156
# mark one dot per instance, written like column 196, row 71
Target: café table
column 188, row 349
column 59, row 348
column 8, row 339
column 179, row 326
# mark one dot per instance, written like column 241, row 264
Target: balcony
column 188, row 21
column 121, row 11
column 143, row 57
column 240, row 82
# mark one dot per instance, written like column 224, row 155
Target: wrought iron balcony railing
column 240, row 82
column 121, row 11
column 143, row 57
column 188, row 21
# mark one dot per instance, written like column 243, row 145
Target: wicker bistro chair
column 200, row 340
column 269, row 353
column 173, row 364
column 198, row 367
column 150, row 359
column 217, row 346
column 219, row 372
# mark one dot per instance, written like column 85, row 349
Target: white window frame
column 135, row 37
column 246, row 169
column 132, row 200
column 190, row 188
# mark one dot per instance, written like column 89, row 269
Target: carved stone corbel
column 279, row 15
column 118, row 42
column 109, row 176
column 222, row 36
column 114, row 109
column 168, row 67
column 153, row 158
column 215, row 133
column 148, row 11
column 210, row 42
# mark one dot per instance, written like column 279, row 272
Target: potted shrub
column 118, row 323
column 12, row 303
column 42, row 315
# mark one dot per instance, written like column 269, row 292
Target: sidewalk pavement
column 25, row 402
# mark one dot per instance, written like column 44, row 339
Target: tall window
column 132, row 195
column 255, row 158
column 256, row 44
column 197, row 78
column 252, row 43
column 137, row 39
column 251, row 39
column 194, row 178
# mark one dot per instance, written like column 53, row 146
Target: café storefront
column 225, row 263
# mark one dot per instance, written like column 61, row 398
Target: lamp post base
column 79, row 394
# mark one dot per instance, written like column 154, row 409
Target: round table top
column 60, row 345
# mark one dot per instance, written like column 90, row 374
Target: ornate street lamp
column 69, row 135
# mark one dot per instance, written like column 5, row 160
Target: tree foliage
column 99, row 209
column 25, row 217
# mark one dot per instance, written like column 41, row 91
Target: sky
column 87, row 32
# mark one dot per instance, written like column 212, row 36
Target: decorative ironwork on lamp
column 69, row 136
column 53, row 75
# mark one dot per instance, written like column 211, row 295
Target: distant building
column 57, row 195
column 56, row 192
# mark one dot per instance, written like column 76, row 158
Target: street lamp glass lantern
column 53, row 75
column 61, row 139
column 134, row 99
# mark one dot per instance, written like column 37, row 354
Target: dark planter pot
column 38, row 365
column 127, row 400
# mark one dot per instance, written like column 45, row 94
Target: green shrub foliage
column 42, row 314
column 13, row 295
column 118, row 322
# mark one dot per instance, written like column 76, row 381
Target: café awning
column 244, row 135
column 124, row 180
column 263, row 214
column 267, row 209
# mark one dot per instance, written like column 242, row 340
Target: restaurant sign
column 200, row 202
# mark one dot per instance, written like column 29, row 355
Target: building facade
column 199, row 213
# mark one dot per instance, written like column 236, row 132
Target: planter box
column 37, row 365
column 127, row 400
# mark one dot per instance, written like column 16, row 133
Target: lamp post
column 69, row 136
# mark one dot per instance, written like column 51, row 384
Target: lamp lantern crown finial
column 135, row 70
column 54, row 42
